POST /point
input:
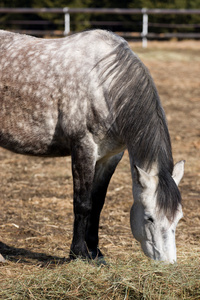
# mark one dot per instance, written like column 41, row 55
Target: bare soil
column 36, row 214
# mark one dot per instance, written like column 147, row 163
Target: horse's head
column 150, row 225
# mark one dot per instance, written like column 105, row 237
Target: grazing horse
column 89, row 96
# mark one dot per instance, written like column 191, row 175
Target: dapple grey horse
column 89, row 96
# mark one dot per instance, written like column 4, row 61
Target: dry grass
column 134, row 277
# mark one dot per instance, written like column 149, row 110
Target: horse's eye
column 150, row 219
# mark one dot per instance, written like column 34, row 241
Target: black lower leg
column 83, row 167
column 103, row 174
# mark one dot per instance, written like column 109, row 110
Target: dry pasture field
column 36, row 215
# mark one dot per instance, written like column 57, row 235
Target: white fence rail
column 145, row 34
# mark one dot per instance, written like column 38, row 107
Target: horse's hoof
column 100, row 261
column 97, row 256
column 95, row 253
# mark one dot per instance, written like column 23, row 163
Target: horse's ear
column 178, row 171
column 143, row 178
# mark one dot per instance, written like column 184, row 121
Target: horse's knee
column 82, row 206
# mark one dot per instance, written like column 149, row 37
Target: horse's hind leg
column 103, row 174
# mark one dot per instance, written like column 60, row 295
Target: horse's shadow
column 21, row 255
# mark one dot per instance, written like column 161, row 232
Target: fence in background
column 144, row 34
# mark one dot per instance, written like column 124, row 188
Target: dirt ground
column 36, row 215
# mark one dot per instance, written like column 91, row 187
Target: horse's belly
column 36, row 146
column 40, row 139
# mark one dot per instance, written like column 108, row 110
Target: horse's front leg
column 103, row 173
column 83, row 169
